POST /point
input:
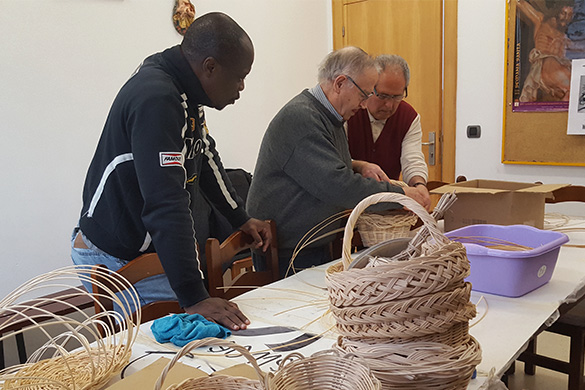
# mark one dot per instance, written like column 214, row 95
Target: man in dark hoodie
column 155, row 154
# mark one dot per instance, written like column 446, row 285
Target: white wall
column 61, row 65
column 480, row 94
column 62, row 62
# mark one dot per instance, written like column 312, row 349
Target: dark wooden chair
column 571, row 323
column 220, row 259
column 568, row 194
column 136, row 270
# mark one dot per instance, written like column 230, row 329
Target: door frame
column 449, row 93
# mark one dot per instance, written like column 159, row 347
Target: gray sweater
column 303, row 173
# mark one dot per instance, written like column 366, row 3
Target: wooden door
column 412, row 29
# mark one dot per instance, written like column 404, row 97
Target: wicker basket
column 386, row 225
column 326, row 370
column 379, row 227
column 454, row 336
column 418, row 365
column 216, row 382
column 407, row 318
column 447, row 267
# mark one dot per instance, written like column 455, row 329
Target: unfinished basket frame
column 79, row 357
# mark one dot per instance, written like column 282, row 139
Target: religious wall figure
column 183, row 15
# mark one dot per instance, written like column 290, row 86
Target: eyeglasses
column 383, row 96
column 364, row 94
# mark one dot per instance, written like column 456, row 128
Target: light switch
column 473, row 131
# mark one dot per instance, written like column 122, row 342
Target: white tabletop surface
column 502, row 327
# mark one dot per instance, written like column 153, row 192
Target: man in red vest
column 388, row 132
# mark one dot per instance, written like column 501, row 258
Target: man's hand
column 371, row 170
column 424, row 192
column 220, row 311
column 260, row 231
column 420, row 194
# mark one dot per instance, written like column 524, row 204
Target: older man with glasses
column 387, row 131
column 304, row 172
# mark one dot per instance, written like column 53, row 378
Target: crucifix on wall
column 183, row 15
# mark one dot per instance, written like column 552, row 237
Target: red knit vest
column 387, row 149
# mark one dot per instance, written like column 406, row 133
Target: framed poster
column 535, row 132
column 548, row 35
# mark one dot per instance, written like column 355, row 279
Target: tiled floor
column 552, row 345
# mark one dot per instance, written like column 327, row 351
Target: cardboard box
column 497, row 202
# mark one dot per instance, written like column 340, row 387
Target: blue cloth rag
column 182, row 328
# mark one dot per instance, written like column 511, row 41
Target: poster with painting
column 576, row 121
column 549, row 34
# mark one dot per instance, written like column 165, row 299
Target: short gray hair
column 384, row 61
column 349, row 60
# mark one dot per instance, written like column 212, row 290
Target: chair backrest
column 136, row 270
column 219, row 259
column 568, row 194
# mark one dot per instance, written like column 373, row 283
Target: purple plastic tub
column 510, row 273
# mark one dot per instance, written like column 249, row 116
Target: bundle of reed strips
column 407, row 316
column 75, row 355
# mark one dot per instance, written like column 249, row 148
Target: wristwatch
column 420, row 183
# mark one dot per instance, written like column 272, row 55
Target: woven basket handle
column 404, row 200
column 203, row 343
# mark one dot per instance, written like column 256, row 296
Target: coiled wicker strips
column 408, row 318
column 421, row 365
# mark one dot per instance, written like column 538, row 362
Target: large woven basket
column 326, row 370
column 376, row 227
column 407, row 316
column 216, row 382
